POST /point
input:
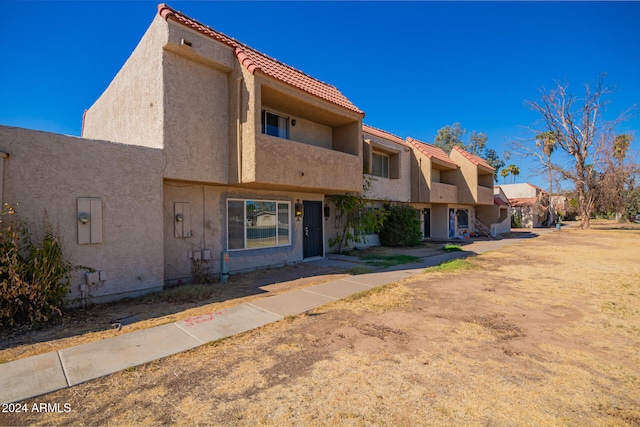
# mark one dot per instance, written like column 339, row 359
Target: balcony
column 284, row 164
column 485, row 195
column 443, row 193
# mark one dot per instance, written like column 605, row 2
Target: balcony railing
column 284, row 163
column 443, row 193
column 485, row 195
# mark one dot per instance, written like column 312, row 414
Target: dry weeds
column 546, row 332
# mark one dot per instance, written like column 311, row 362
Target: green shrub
column 401, row 227
column 516, row 219
column 34, row 276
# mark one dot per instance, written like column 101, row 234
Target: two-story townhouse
column 451, row 191
column 203, row 150
column 245, row 137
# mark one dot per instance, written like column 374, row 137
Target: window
column 275, row 125
column 380, row 165
column 253, row 224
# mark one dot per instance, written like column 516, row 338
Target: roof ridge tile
column 385, row 134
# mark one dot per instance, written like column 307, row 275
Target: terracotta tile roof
column 498, row 201
column 254, row 61
column 383, row 134
column 536, row 187
column 478, row 161
column 523, row 201
column 432, row 152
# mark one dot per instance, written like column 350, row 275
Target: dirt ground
column 545, row 332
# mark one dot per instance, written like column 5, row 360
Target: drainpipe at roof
column 239, row 129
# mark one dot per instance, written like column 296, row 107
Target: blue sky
column 413, row 67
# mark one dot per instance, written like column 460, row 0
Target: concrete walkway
column 45, row 373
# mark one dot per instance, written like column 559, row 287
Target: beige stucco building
column 203, row 149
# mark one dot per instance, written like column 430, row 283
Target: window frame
column 278, row 204
column 263, row 123
column 386, row 163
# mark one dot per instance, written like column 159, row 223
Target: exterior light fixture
column 327, row 212
column 84, row 217
column 179, row 217
column 299, row 210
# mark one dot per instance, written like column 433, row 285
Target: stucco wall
column 466, row 179
column 46, row 173
column 293, row 164
column 517, row 191
column 311, row 133
column 208, row 230
column 196, row 135
column 398, row 189
column 440, row 221
column 421, row 177
column 130, row 110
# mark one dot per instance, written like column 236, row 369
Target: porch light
column 179, row 217
column 299, row 210
column 84, row 217
column 327, row 212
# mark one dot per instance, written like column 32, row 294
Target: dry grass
column 92, row 324
column 545, row 332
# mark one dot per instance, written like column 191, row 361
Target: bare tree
column 618, row 175
column 575, row 125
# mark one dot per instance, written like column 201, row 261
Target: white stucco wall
column 518, row 191
column 46, row 173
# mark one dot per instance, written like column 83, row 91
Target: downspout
column 239, row 129
column 419, row 174
column 3, row 156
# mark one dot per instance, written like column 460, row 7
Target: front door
column 427, row 223
column 312, row 229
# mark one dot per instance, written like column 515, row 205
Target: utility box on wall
column 89, row 220
column 182, row 219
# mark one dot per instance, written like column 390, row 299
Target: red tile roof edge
column 383, row 134
column 431, row 151
column 498, row 201
column 281, row 71
column 536, row 187
column 478, row 161
column 523, row 201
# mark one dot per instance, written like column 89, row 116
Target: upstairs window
column 275, row 125
column 380, row 164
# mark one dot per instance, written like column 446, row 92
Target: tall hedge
column 401, row 227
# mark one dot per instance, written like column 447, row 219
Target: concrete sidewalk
column 38, row 375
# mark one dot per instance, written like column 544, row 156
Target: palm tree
column 504, row 173
column 511, row 169
column 547, row 140
column 515, row 171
